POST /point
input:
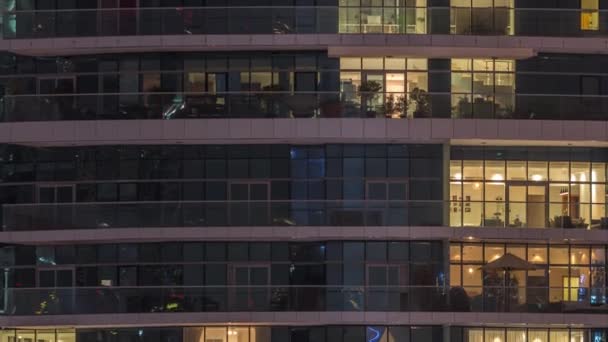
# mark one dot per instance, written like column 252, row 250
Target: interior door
column 537, row 206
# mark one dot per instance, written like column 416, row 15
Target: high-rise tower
column 303, row 170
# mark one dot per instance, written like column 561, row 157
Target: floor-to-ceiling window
column 483, row 88
column 482, row 17
column 385, row 86
column 563, row 277
column 528, row 190
column 492, row 334
column 590, row 15
column 383, row 16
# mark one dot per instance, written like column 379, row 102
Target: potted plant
column 421, row 99
column 396, row 106
column 369, row 93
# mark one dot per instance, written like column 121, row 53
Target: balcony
column 23, row 217
column 343, row 213
column 283, row 104
column 26, row 24
column 111, row 300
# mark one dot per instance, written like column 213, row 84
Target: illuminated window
column 482, row 88
column 382, row 16
column 385, row 86
column 482, row 17
column 590, row 15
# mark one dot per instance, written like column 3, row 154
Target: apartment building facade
column 304, row 170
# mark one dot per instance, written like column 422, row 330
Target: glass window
column 373, row 63
column 538, row 335
column 558, row 255
column 559, row 171
column 495, row 170
column 598, row 255
column 215, row 334
column 516, row 335
column 472, row 253
column 537, row 255
column 598, row 172
column 462, row 64
column 579, row 256
column 495, row 335
column 45, row 335
column 26, row 335
column 580, row 172
column 493, row 252
column 66, row 336
column 537, row 171
column 394, row 63
column 590, row 15
column 473, row 169
column 455, row 254
column 516, row 170
column 375, row 251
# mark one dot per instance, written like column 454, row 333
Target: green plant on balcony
column 421, row 99
column 396, row 106
column 369, row 93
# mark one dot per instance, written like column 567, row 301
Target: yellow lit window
column 570, row 288
column 590, row 15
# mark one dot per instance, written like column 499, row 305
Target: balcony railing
column 109, row 300
column 304, row 20
column 21, row 217
column 347, row 213
column 277, row 104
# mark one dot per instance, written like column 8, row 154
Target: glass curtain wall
column 566, row 275
column 383, row 16
column 482, row 88
column 482, row 17
column 528, row 194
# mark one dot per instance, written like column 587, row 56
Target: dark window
column 590, row 85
